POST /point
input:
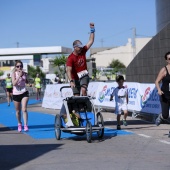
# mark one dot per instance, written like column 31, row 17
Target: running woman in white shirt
column 121, row 100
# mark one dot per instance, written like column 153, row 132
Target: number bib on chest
column 9, row 84
column 37, row 85
column 122, row 93
column 83, row 73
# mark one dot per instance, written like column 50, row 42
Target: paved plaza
column 139, row 146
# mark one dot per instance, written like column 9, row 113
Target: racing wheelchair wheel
column 57, row 127
column 100, row 123
column 88, row 132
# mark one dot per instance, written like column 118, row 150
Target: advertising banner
column 133, row 96
column 53, row 98
column 149, row 99
column 141, row 97
column 103, row 94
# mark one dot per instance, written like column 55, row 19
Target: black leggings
column 165, row 104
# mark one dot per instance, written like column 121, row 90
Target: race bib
column 38, row 85
column 9, row 84
column 122, row 93
column 82, row 73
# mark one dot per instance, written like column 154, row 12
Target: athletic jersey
column 37, row 82
column 166, row 84
column 78, row 63
column 8, row 83
column 120, row 95
column 20, row 88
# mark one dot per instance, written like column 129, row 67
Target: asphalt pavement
column 139, row 146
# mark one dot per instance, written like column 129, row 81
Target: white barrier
column 142, row 97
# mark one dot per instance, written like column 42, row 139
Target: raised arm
column 91, row 38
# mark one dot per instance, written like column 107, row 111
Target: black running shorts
column 18, row 98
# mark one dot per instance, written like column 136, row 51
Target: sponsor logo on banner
column 132, row 95
column 150, row 99
column 102, row 94
column 105, row 92
column 145, row 97
column 53, row 94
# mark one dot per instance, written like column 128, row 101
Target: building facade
column 147, row 63
column 162, row 13
column 124, row 54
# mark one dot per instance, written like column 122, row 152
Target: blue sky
column 35, row 23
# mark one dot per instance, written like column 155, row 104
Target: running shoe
column 159, row 120
column 118, row 127
column 19, row 127
column 124, row 122
column 25, row 128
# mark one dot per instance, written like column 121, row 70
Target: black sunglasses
column 19, row 66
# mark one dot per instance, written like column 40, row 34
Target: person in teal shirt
column 38, row 86
column 9, row 88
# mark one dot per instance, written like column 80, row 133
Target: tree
column 118, row 66
column 32, row 71
column 60, row 63
column 1, row 73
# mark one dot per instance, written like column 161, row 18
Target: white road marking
column 146, row 136
column 164, row 141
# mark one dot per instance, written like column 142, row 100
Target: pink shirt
column 20, row 88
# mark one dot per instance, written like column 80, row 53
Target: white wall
column 125, row 54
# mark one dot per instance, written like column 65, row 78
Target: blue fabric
column 90, row 117
column 41, row 125
column 92, row 30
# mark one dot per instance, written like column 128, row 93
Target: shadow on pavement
column 3, row 129
column 108, row 134
column 16, row 155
